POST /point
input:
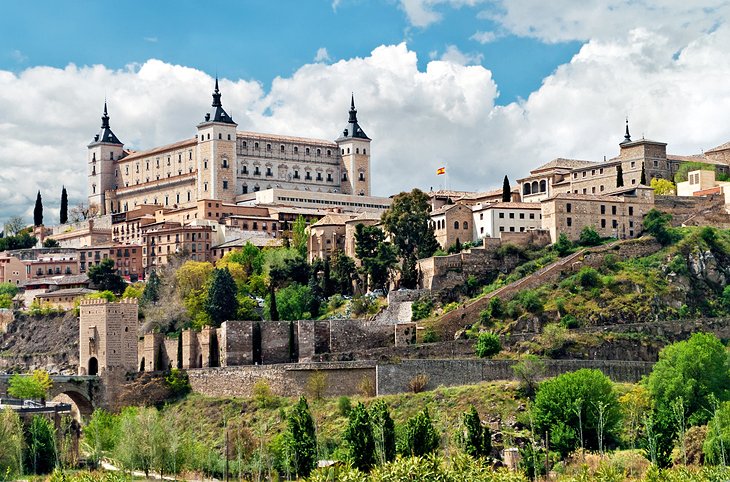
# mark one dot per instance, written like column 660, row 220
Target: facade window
column 614, row 224
column 244, row 189
column 296, row 174
column 456, row 224
column 319, row 176
column 244, row 169
column 268, row 172
column 205, row 164
column 522, row 215
column 532, row 215
column 465, row 225
column 603, row 209
column 255, row 145
column 329, row 177
column 603, row 223
column 344, row 175
column 656, row 163
column 501, row 215
column 296, row 150
column 613, row 210
column 631, row 210
column 511, row 215
column 282, row 148
column 256, row 171
column 205, row 186
column 225, row 184
column 225, row 163
column 364, row 151
column 329, row 153
column 633, row 163
column 568, row 208
column 362, row 176
column 319, row 152
column 569, row 221
column 501, row 228
column 308, row 176
column 268, row 147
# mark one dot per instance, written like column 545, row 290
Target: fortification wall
column 448, row 272
column 289, row 380
column 396, row 378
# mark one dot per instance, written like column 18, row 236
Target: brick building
column 452, row 222
column 107, row 336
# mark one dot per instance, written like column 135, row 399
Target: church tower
column 217, row 165
column 103, row 152
column 354, row 147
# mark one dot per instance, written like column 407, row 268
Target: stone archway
column 93, row 366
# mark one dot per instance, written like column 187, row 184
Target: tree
column 377, row 256
column 34, row 386
column 38, row 211
column 619, row 176
column 687, row 167
column 663, row 187
column 642, row 180
column 506, row 190
column 697, row 370
column 104, row 277
column 271, row 304
column 657, row 224
column 359, row 438
column 151, row 293
column 343, row 269
column 40, row 440
column 101, row 434
column 563, row 245
column 299, row 236
column 419, row 435
column 221, row 304
column 11, row 448
column 717, row 443
column 63, row 214
column 487, row 345
column 408, row 222
column 14, row 226
column 528, row 371
column 589, row 237
column 51, row 243
column 301, row 439
column 578, row 409
column 294, row 302
column 476, row 439
column 383, row 431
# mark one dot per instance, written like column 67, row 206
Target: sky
column 486, row 88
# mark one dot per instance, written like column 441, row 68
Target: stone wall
column 288, row 380
column 351, row 334
column 447, row 272
column 395, row 378
column 278, row 342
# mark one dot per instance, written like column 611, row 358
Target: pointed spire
column 105, row 118
column 353, row 129
column 353, row 111
column 216, row 94
column 627, row 136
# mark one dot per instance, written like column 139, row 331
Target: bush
column 366, row 387
column 178, row 382
column 263, row 396
column 589, row 278
column 344, row 405
column 34, row 386
column 657, row 224
column 421, row 308
column 336, row 301
column 589, row 237
column 563, row 246
column 430, row 336
column 418, row 383
column 531, row 301
column 419, row 436
column 317, row 385
column 450, row 307
column 569, row 321
column 496, row 308
column 487, row 345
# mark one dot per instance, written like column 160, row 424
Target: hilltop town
column 241, row 265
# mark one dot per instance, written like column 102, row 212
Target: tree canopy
column 221, row 304
column 104, row 277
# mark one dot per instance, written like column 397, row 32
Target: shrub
column 263, row 396
column 418, row 383
column 475, row 439
column 34, row 386
column 359, row 438
column 344, row 405
column 336, row 301
column 569, row 322
column 317, row 385
column 589, row 278
column 366, row 387
column 531, row 301
column 657, row 224
column 419, row 435
column 430, row 336
column 450, row 307
column 528, row 371
column 496, row 308
column 421, row 308
column 487, row 345
column 563, row 246
column 589, row 237
column 178, row 382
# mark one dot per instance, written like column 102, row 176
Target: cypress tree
column 506, row 190
column 383, row 431
column 301, row 439
column 420, row 436
column 619, row 176
column 273, row 312
column 221, row 303
column 476, row 439
column 38, row 211
column 151, row 293
column 359, row 438
column 643, row 174
column 64, row 206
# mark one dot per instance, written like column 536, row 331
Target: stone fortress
column 222, row 163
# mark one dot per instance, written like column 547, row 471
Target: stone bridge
column 84, row 391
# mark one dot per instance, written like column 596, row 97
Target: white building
column 494, row 218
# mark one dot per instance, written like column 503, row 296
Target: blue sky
column 260, row 39
column 487, row 87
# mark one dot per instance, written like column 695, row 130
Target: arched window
column 456, row 224
column 543, row 185
column 465, row 225
column 534, row 187
column 526, row 188
column 93, row 366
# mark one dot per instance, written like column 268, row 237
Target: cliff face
column 47, row 342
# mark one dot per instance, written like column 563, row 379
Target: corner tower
column 103, row 152
column 217, row 165
column 354, row 147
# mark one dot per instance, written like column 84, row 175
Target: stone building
column 327, row 236
column 127, row 259
column 451, row 223
column 162, row 240
column 703, row 183
column 107, row 336
column 221, row 163
column 619, row 215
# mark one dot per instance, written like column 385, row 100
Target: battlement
column 95, row 301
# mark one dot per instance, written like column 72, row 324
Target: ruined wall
column 236, row 343
column 351, row 334
column 447, row 272
column 288, row 380
column 276, row 346
column 396, row 377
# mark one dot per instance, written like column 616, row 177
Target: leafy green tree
column 135, row 449
column 63, row 214
column 11, row 448
column 294, row 302
column 528, row 371
column 657, row 224
column 301, row 439
column 487, row 345
column 419, row 435
column 407, row 220
column 687, row 167
column 563, row 245
column 101, row 434
column 475, row 439
column 377, row 256
column 589, row 237
column 8, row 289
column 619, row 175
column 40, row 440
column 663, row 187
column 13, row 226
column 697, row 370
column 51, row 243
column 506, row 190
column 383, row 431
column 271, row 306
column 359, row 438
column 135, row 291
column 299, row 236
column 343, row 272
column 104, row 277
column 38, row 211
column 20, row 241
column 34, row 386
column 151, row 292
column 717, row 443
column 221, row 304
column 578, row 409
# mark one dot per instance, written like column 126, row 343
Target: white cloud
column 335, row 4
column 418, row 119
column 453, row 54
column 322, row 55
column 18, row 56
column 485, row 37
column 150, row 39
column 422, row 13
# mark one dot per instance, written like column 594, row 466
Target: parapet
column 99, row 301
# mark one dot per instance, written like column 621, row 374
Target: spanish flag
column 440, row 170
